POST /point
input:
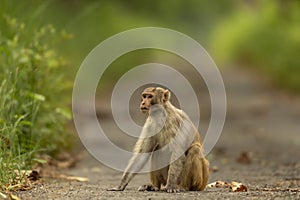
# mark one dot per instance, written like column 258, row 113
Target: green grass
column 32, row 116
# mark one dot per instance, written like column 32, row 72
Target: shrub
column 32, row 118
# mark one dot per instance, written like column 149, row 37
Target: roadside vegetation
column 32, row 105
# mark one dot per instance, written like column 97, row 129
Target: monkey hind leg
column 148, row 187
column 158, row 176
column 195, row 172
column 157, row 179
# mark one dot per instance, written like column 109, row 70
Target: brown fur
column 191, row 170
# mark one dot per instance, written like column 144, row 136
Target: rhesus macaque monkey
column 170, row 137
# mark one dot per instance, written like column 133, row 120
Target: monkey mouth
column 144, row 109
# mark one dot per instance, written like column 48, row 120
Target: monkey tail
column 205, row 173
column 196, row 170
column 205, row 168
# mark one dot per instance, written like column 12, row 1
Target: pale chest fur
column 170, row 129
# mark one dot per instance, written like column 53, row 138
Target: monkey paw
column 171, row 188
column 116, row 189
column 148, row 187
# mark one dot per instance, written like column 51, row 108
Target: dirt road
column 259, row 147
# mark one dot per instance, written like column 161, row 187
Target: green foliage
column 31, row 86
column 266, row 36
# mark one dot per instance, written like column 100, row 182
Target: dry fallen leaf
column 8, row 196
column 217, row 184
column 14, row 197
column 3, row 196
column 74, row 178
column 244, row 158
column 25, row 179
column 234, row 186
column 214, row 169
column 238, row 187
column 33, row 176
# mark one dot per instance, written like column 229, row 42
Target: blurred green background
column 260, row 34
column 45, row 41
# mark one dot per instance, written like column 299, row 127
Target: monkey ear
column 166, row 95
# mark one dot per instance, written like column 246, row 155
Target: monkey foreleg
column 136, row 163
column 123, row 184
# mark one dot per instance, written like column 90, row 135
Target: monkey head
column 152, row 96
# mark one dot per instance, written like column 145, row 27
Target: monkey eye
column 149, row 96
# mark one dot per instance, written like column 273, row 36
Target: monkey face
column 152, row 96
column 146, row 102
